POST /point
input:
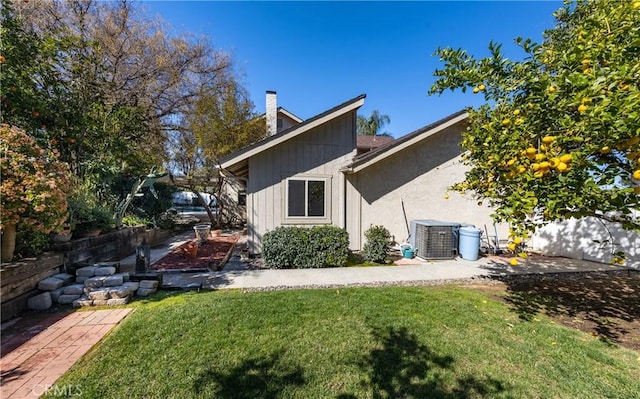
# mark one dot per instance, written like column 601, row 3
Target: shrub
column 377, row 245
column 33, row 187
column 35, row 183
column 300, row 247
column 132, row 219
column 88, row 212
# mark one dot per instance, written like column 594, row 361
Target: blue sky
column 319, row 54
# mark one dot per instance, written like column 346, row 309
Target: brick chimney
column 272, row 113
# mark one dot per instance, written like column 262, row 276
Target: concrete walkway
column 239, row 275
column 32, row 368
column 233, row 277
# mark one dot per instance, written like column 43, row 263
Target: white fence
column 588, row 239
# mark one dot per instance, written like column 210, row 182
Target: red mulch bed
column 210, row 255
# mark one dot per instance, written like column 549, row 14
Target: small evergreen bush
column 377, row 245
column 300, row 247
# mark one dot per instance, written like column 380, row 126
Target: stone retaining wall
column 108, row 247
column 19, row 280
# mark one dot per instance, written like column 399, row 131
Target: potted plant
column 88, row 217
column 63, row 235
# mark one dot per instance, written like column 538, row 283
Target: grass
column 419, row 342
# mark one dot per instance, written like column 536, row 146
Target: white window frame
column 286, row 219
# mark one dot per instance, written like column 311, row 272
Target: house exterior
column 315, row 172
column 310, row 174
column 293, row 177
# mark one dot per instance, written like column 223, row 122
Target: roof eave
column 292, row 132
column 401, row 143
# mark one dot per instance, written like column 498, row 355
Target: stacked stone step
column 53, row 288
column 95, row 285
column 147, row 287
column 101, row 285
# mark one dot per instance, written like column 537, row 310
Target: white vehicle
column 188, row 199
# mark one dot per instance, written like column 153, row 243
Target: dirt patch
column 605, row 305
column 209, row 255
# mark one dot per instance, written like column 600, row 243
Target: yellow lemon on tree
column 566, row 158
column 582, row 108
column 521, row 169
column 538, row 174
column 552, row 89
column 516, row 112
column 511, row 162
column 511, row 246
column 476, row 90
column 535, row 167
column 481, row 87
column 633, row 141
column 562, row 167
column 540, row 157
column 553, row 162
column 544, row 165
column 531, row 151
column 548, row 139
column 605, row 150
column 513, row 262
column 506, row 122
column 636, row 174
column 517, row 240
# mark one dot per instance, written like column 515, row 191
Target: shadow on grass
column 402, row 367
column 261, row 377
column 610, row 303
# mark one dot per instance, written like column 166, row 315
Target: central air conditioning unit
column 434, row 239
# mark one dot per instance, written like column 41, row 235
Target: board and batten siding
column 321, row 151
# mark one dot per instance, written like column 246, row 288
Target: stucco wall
column 419, row 176
column 576, row 238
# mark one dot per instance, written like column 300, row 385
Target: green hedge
column 376, row 247
column 300, row 247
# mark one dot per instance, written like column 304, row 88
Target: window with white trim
column 307, row 199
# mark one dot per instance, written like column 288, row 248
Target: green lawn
column 394, row 342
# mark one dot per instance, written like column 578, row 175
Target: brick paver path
column 32, row 368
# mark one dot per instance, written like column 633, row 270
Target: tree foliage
column 34, row 183
column 559, row 134
column 373, row 125
column 221, row 121
column 101, row 82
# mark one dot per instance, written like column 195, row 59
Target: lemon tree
column 558, row 135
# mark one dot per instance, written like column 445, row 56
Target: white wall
column 419, row 176
column 574, row 238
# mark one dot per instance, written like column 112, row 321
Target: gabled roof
column 290, row 115
column 367, row 159
column 284, row 112
column 236, row 163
